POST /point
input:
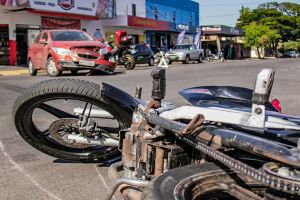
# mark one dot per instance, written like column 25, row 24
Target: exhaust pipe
column 95, row 113
column 103, row 141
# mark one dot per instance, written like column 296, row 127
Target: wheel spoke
column 55, row 111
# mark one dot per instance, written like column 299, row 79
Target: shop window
column 4, row 45
column 133, row 9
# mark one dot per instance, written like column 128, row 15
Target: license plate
column 173, row 57
column 87, row 63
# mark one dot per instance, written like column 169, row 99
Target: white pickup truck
column 185, row 53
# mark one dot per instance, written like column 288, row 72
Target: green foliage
column 259, row 35
column 292, row 45
column 283, row 17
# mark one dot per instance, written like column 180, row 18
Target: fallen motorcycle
column 229, row 143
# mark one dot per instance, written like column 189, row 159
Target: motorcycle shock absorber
column 159, row 83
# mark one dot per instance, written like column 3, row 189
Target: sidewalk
column 13, row 70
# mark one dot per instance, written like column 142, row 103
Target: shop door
column 4, row 45
column 22, row 44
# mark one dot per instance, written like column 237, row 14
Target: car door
column 40, row 51
column 193, row 52
column 147, row 53
column 33, row 50
column 44, row 50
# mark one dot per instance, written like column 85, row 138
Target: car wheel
column 74, row 72
column 187, row 60
column 31, row 69
column 51, row 68
column 200, row 59
column 151, row 62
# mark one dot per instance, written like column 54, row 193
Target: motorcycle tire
column 129, row 62
column 167, row 185
column 57, row 90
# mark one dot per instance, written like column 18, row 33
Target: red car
column 60, row 50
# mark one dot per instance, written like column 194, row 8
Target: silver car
column 185, row 53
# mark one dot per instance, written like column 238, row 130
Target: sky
column 226, row 12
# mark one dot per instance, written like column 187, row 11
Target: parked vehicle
column 128, row 54
column 73, row 50
column 143, row 54
column 291, row 54
column 218, row 56
column 229, row 143
column 185, row 53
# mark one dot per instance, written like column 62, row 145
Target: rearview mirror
column 43, row 41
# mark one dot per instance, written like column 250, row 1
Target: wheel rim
column 187, row 59
column 37, row 126
column 30, row 67
column 151, row 61
column 128, row 61
column 52, row 68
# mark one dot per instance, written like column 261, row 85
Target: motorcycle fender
column 121, row 101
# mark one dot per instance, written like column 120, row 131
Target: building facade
column 127, row 11
column 22, row 20
column 180, row 15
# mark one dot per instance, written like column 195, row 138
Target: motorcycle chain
column 274, row 182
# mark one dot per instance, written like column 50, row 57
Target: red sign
column 50, row 23
column 66, row 4
column 145, row 23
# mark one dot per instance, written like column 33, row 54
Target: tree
column 259, row 36
column 282, row 17
column 292, row 45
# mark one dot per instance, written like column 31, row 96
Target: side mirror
column 43, row 41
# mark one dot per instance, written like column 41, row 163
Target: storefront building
column 180, row 15
column 125, row 12
column 227, row 39
column 22, row 20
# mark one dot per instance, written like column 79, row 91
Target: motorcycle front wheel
column 52, row 103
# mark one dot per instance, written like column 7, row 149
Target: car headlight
column 103, row 51
column 180, row 53
column 62, row 51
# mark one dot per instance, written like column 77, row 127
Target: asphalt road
column 26, row 173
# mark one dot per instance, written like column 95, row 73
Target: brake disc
column 60, row 129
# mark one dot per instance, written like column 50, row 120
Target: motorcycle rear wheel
column 129, row 62
column 205, row 181
column 36, row 100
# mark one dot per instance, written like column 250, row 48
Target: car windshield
column 70, row 36
column 182, row 47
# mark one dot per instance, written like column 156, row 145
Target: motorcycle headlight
column 103, row 51
column 62, row 51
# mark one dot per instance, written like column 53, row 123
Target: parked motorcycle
column 158, row 57
column 229, row 143
column 218, row 56
column 123, row 50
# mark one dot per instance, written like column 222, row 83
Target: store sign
column 183, row 27
column 101, row 8
column 211, row 29
column 147, row 23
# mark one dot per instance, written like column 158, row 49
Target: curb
column 14, row 72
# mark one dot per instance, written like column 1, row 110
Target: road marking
column 20, row 169
column 103, row 180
